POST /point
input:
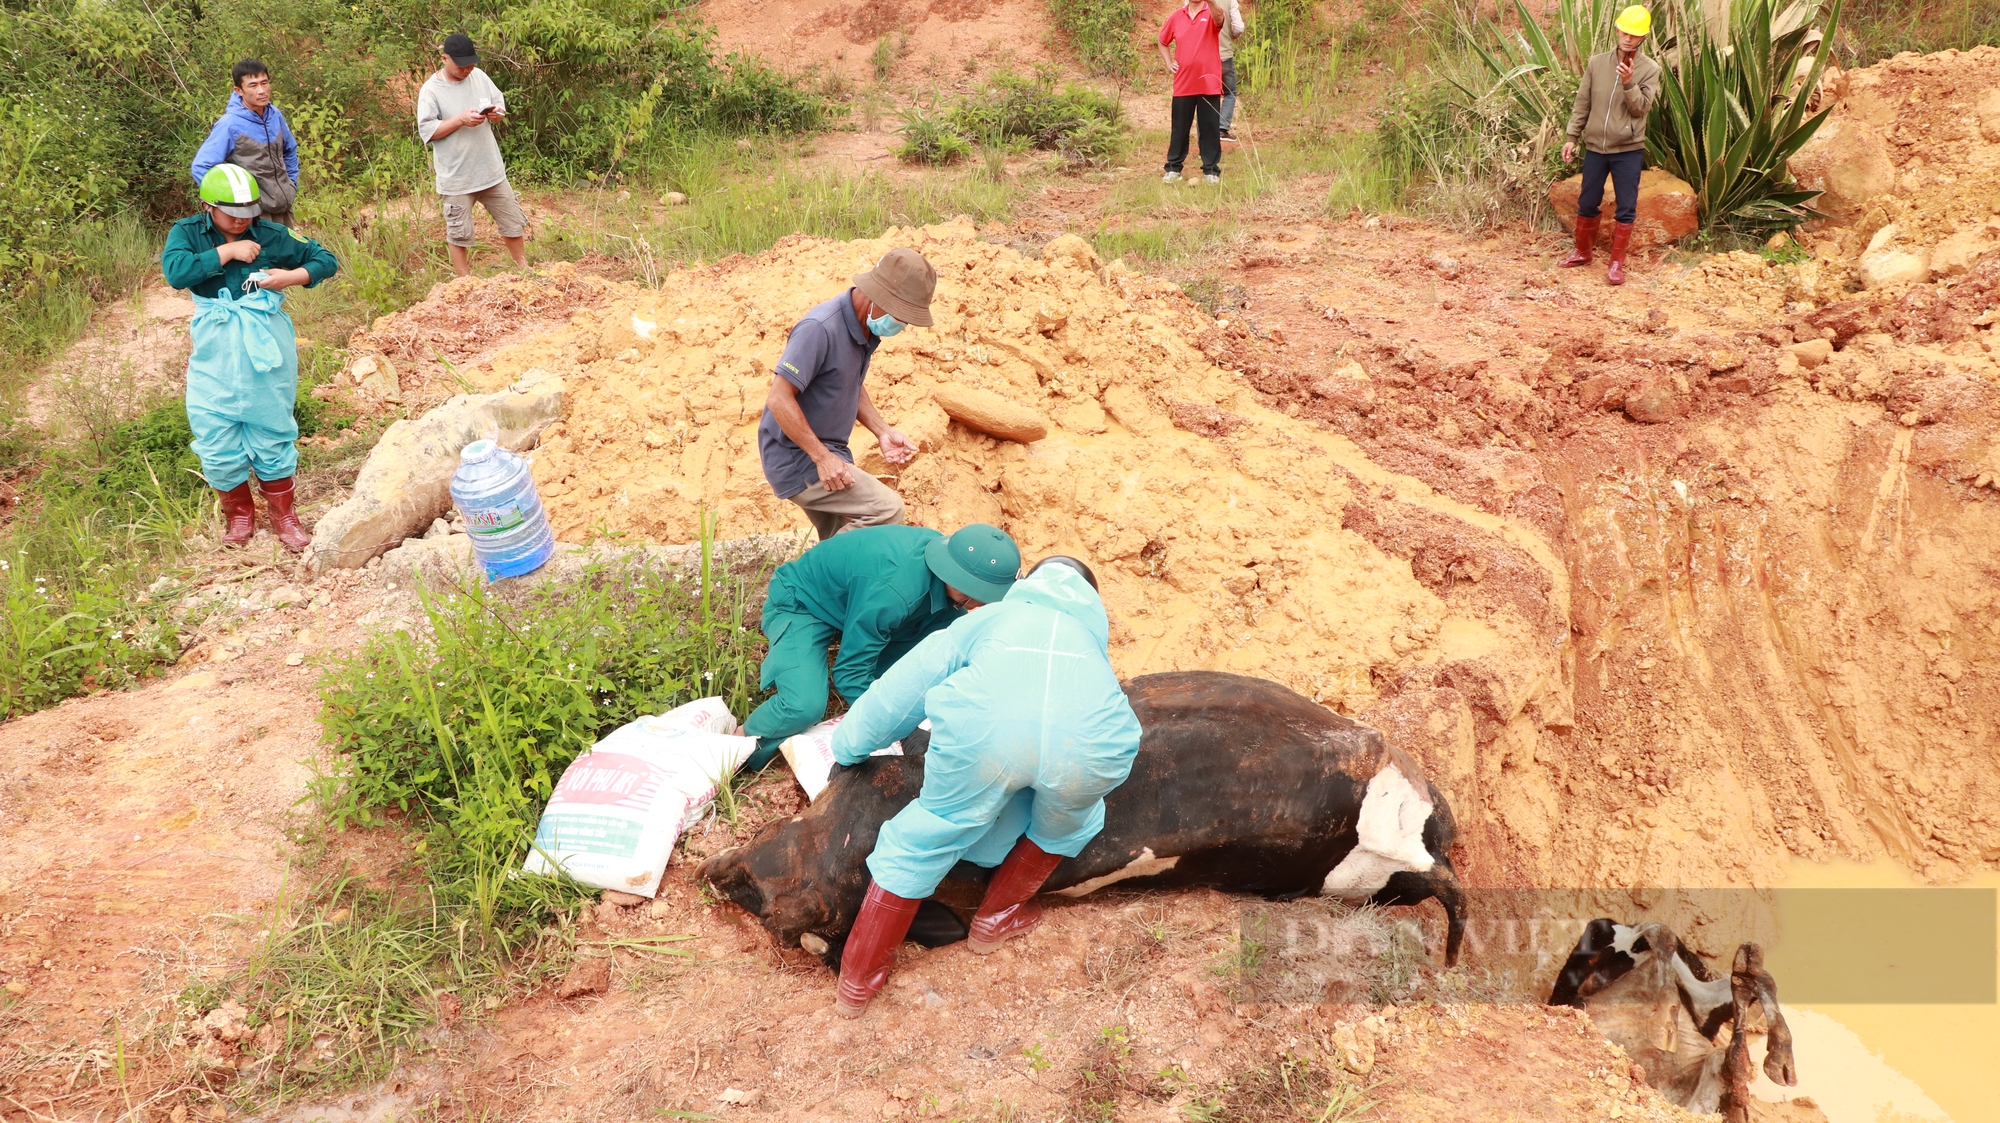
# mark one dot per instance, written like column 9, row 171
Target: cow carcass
column 1240, row 785
column 1652, row 996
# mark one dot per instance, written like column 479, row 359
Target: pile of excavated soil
column 1659, row 589
column 431, row 346
column 1915, row 142
column 1221, row 529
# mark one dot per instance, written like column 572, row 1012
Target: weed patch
column 467, row 725
column 1100, row 33
column 1292, row 1088
column 1011, row 112
column 99, row 522
column 927, row 140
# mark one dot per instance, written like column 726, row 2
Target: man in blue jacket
column 253, row 135
column 1029, row 731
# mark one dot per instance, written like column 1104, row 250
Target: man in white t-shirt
column 1232, row 30
column 454, row 111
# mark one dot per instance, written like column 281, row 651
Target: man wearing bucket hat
column 877, row 591
column 1030, row 730
column 1612, row 102
column 817, row 394
column 243, row 369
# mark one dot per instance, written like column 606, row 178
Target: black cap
column 1069, row 562
column 458, row 48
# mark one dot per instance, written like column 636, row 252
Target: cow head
column 804, row 878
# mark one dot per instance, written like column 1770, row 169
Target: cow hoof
column 841, row 1008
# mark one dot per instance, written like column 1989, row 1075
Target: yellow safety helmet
column 1635, row 20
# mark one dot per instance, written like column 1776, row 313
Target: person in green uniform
column 243, row 370
column 878, row 590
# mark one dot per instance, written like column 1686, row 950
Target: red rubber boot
column 1009, row 908
column 871, row 948
column 284, row 520
column 1586, row 241
column 239, row 514
column 1621, row 239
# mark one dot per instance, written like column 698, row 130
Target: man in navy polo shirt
column 817, row 395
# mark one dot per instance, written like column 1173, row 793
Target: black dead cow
column 1240, row 785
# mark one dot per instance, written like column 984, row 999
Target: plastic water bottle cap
column 476, row 451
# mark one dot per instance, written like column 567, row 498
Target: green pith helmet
column 231, row 190
column 979, row 561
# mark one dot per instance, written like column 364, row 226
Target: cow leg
column 1736, row 1068
column 1779, row 1064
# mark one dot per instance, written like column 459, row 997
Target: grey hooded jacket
column 1608, row 117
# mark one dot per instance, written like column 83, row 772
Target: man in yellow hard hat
column 1617, row 92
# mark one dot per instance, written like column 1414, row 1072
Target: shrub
column 927, row 140
column 1095, row 143
column 1731, row 114
column 1031, row 111
column 1100, row 32
column 468, row 724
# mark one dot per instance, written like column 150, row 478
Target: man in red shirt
column 1196, row 64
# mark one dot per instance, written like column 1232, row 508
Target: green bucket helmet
column 979, row 561
column 231, row 190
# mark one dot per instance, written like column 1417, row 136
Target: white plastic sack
column 619, row 808
column 811, row 755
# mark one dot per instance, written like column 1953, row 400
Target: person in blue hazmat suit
column 1029, row 731
column 877, row 591
column 243, row 369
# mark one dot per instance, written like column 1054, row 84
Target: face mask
column 884, row 325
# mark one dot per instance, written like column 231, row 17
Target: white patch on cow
column 1393, row 814
column 1145, row 865
column 1705, row 995
column 1623, row 936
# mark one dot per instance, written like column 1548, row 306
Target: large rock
column 406, row 482
column 1848, row 163
column 990, row 413
column 1667, row 211
column 1885, row 264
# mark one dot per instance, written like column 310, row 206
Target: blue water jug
column 495, row 493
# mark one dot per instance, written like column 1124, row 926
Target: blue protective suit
column 243, row 371
column 1029, row 732
column 242, row 381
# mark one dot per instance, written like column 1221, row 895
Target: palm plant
column 1731, row 111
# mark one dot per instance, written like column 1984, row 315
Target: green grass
column 467, row 726
column 1872, row 30
column 112, row 256
column 99, row 522
column 744, row 201
column 458, row 734
column 1163, row 243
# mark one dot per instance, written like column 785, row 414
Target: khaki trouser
column 866, row 502
column 499, row 201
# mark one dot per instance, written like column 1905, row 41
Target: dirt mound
column 432, row 345
column 1228, row 535
column 1913, row 143
column 1651, row 579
